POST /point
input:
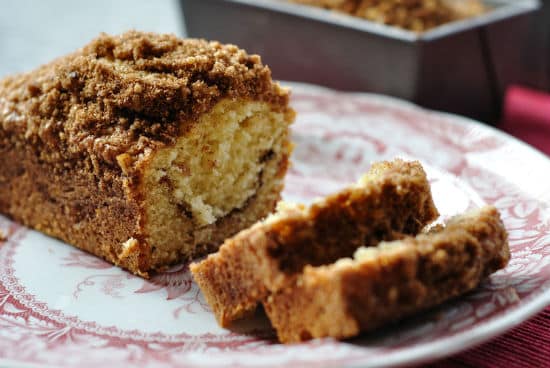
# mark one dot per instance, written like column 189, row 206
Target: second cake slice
column 393, row 280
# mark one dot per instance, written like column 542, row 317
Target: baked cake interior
column 215, row 168
column 338, row 233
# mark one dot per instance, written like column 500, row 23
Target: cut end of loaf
column 232, row 156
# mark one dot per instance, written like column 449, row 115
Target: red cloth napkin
column 526, row 115
column 526, row 346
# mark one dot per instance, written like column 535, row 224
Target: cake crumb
column 3, row 236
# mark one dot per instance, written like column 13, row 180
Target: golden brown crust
column 77, row 134
column 396, row 280
column 395, row 199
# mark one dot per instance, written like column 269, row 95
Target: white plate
column 62, row 307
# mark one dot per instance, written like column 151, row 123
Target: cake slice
column 391, row 200
column 392, row 280
column 144, row 149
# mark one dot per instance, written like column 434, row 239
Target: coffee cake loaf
column 390, row 281
column 391, row 200
column 144, row 149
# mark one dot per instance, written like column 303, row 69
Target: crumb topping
column 127, row 94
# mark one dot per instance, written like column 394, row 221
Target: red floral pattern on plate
column 81, row 318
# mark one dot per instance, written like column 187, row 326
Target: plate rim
column 464, row 340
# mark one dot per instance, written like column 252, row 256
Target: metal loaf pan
column 455, row 67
